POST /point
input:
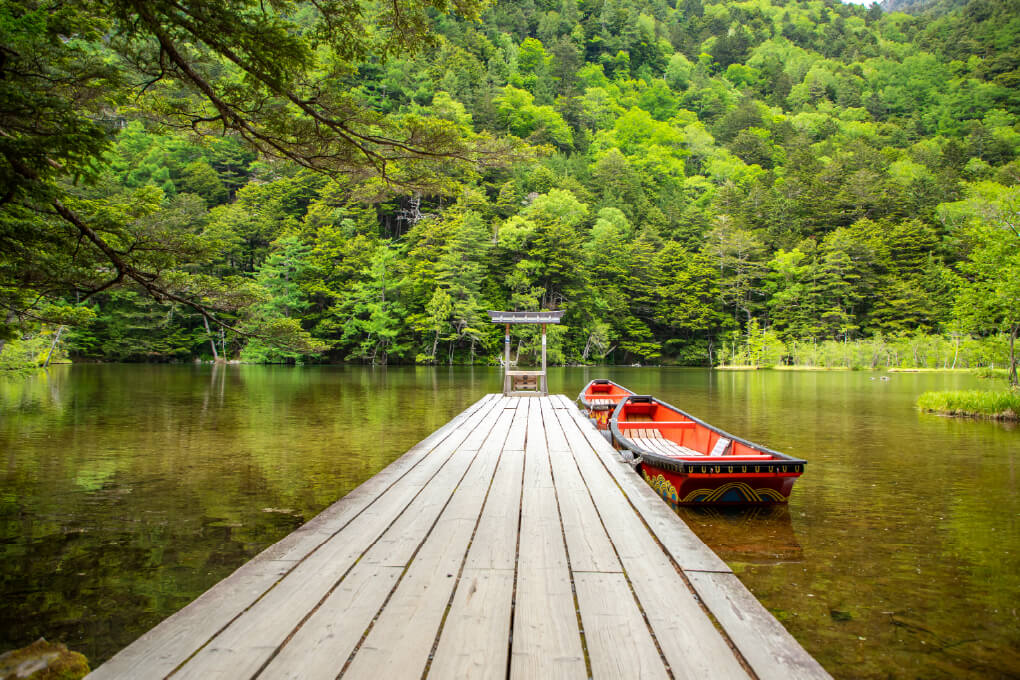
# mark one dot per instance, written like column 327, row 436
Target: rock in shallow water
column 43, row 660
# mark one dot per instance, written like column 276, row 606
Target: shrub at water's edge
column 972, row 403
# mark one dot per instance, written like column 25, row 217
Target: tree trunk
column 56, row 339
column 212, row 340
column 1013, row 382
column 11, row 316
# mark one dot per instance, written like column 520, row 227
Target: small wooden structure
column 524, row 383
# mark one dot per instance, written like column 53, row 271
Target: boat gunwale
column 679, row 464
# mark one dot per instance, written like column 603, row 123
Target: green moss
column 972, row 403
column 43, row 660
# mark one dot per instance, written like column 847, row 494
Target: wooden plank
column 476, row 636
column 518, row 434
column 337, row 625
column 554, row 438
column 768, row 647
column 316, row 647
column 331, row 647
column 249, row 641
column 546, row 638
column 160, row 650
column 619, row 644
column 399, row 643
column 686, row 549
column 495, row 543
column 689, row 641
column 587, row 543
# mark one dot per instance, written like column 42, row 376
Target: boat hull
column 689, row 462
column 719, row 489
column 599, row 399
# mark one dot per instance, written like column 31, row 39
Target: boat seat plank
column 655, row 442
column 722, row 445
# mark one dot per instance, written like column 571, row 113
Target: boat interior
column 604, row 393
column 652, row 426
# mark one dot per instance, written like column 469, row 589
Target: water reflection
column 126, row 491
column 760, row 534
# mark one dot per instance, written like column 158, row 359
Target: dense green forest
column 693, row 182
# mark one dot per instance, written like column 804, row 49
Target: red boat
column 690, row 462
column 599, row 398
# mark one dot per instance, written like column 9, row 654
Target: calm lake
column 127, row 490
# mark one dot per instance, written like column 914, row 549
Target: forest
column 693, row 182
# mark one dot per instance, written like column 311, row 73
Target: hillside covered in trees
column 693, row 182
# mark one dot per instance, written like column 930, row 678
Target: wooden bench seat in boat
column 653, row 441
column 602, row 402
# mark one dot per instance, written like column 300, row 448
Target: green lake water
column 126, row 491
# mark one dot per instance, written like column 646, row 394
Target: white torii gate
column 524, row 383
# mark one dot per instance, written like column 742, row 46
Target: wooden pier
column 513, row 542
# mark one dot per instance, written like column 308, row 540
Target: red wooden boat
column 690, row 462
column 599, row 398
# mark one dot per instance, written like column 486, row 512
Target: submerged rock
column 43, row 660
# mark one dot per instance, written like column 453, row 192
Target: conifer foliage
column 699, row 182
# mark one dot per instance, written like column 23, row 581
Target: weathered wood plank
column 546, row 638
column 160, row 650
column 327, row 639
column 385, row 560
column 768, row 647
column 476, row 637
column 249, row 641
column 495, row 544
column 619, row 644
column 587, row 543
column 317, row 639
column 411, row 618
column 691, row 644
column 686, row 549
column 518, row 434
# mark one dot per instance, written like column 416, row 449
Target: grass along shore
column 1004, row 405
